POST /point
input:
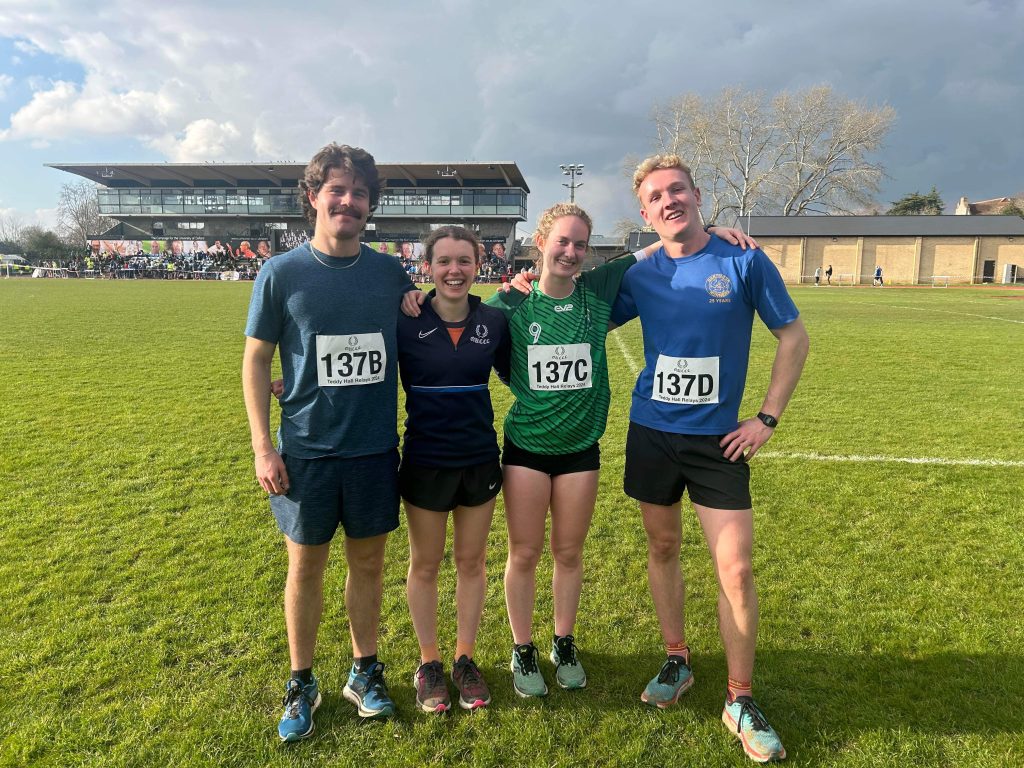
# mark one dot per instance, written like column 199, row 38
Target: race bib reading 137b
column 350, row 361
column 686, row 380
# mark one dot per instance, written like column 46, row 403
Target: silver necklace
column 317, row 254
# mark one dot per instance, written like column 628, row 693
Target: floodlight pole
column 572, row 170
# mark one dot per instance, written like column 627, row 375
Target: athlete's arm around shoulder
column 256, row 360
column 790, row 355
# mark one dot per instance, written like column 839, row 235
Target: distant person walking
column 828, row 275
column 878, row 277
column 817, row 276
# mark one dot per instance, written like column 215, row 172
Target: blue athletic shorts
column 360, row 494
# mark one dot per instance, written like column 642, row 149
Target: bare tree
column 78, row 213
column 827, row 143
column 626, row 226
column 794, row 154
column 11, row 228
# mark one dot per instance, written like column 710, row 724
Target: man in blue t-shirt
column 696, row 298
column 330, row 306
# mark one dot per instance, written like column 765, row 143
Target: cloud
column 201, row 140
column 538, row 83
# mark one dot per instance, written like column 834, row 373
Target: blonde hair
column 658, row 163
column 551, row 215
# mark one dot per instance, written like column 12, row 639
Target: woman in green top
column 551, row 456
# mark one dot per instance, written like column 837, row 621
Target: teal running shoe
column 368, row 691
column 300, row 702
column 747, row 723
column 672, row 681
column 568, row 668
column 526, row 677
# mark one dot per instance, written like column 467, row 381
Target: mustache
column 346, row 210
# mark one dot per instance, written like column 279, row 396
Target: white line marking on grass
column 891, row 459
column 965, row 314
column 630, row 360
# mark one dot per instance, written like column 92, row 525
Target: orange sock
column 678, row 649
column 739, row 688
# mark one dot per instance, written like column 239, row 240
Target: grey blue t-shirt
column 333, row 321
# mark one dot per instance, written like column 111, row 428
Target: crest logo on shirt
column 718, row 287
column 534, row 331
column 481, row 335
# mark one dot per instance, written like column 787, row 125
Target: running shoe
column 748, row 724
column 368, row 691
column 568, row 668
column 526, row 676
column 300, row 702
column 671, row 682
column 473, row 691
column 431, row 689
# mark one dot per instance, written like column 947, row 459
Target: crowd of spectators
column 197, row 260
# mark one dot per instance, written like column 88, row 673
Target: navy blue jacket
column 450, row 419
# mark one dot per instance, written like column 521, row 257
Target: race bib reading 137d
column 350, row 361
column 686, row 380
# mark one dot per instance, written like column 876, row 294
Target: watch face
column 769, row 421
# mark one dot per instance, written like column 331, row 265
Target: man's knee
column 366, row 561
column 736, row 578
column 663, row 546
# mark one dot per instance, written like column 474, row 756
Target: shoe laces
column 670, row 671
column 375, row 679
column 469, row 672
column 566, row 648
column 758, row 722
column 527, row 656
column 293, row 699
column 433, row 675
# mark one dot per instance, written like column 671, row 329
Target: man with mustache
column 331, row 307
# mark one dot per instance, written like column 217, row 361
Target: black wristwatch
column 768, row 420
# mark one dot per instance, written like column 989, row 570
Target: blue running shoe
column 368, row 691
column 672, row 681
column 300, row 702
column 747, row 723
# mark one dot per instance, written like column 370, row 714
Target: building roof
column 886, row 226
column 867, row 226
column 501, row 173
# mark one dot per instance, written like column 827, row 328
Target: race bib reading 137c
column 559, row 366
column 686, row 380
column 350, row 361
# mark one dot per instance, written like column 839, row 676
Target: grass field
column 141, row 576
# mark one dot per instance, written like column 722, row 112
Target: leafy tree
column 792, row 154
column 41, row 245
column 1011, row 209
column 916, row 204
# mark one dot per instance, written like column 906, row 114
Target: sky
column 536, row 83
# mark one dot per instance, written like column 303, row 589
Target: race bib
column 559, row 366
column 686, row 380
column 350, row 361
